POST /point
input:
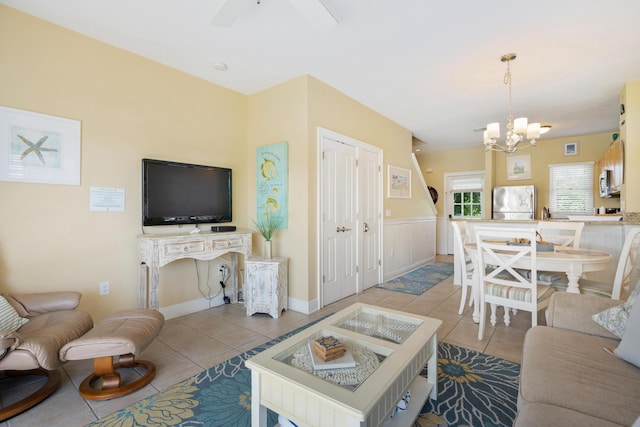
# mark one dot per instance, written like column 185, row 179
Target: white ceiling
column 431, row 66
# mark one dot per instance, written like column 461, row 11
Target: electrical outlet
column 222, row 270
column 104, row 288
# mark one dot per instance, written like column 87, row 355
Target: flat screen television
column 182, row 193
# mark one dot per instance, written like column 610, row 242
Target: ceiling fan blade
column 316, row 14
column 229, row 11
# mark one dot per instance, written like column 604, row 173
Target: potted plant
column 267, row 226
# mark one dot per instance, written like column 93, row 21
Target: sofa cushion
column 615, row 318
column 629, row 348
column 540, row 414
column 571, row 370
column 518, row 294
column 10, row 320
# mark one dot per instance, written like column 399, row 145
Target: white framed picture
column 571, row 149
column 398, row 182
column 39, row 148
column 518, row 167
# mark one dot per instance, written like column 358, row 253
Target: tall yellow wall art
column 272, row 174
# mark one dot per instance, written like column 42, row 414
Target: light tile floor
column 190, row 344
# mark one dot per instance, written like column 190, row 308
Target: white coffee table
column 404, row 343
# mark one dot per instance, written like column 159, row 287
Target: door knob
column 366, row 227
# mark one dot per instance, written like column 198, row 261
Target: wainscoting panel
column 408, row 244
column 608, row 238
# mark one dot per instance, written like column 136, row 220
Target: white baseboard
column 404, row 270
column 193, row 306
column 189, row 307
column 305, row 307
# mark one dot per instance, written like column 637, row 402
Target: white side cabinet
column 267, row 285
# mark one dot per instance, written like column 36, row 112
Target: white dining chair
column 625, row 272
column 561, row 233
column 503, row 279
column 463, row 263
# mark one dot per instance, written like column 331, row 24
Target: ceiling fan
column 315, row 12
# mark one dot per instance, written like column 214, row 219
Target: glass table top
column 362, row 357
column 380, row 325
column 349, row 371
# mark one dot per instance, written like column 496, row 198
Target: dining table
column 574, row 262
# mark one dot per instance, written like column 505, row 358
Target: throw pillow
column 615, row 318
column 629, row 348
column 10, row 320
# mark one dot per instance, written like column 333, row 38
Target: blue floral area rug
column 420, row 280
column 474, row 389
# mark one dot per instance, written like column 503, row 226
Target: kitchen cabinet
column 613, row 160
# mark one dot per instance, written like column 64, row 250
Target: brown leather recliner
column 34, row 348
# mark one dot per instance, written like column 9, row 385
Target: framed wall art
column 398, row 182
column 272, row 172
column 518, row 167
column 571, row 149
column 39, row 148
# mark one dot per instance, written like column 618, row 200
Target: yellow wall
column 330, row 109
column 130, row 108
column 549, row 151
column 279, row 114
column 335, row 111
column 631, row 139
column 292, row 112
column 441, row 162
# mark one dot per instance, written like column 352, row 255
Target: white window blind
column 571, row 189
column 468, row 183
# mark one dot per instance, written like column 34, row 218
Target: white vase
column 267, row 249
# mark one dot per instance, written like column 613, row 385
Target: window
column 571, row 189
column 466, row 191
column 467, row 203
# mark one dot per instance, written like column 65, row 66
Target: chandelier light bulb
column 520, row 125
column 493, row 130
column 533, row 131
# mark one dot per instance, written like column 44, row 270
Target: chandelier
column 518, row 130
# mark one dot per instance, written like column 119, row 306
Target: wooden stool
column 121, row 335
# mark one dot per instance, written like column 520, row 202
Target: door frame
column 359, row 146
column 448, row 202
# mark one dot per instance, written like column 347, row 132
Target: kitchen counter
column 624, row 221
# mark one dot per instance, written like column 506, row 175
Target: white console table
column 157, row 250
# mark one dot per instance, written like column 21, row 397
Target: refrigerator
column 516, row 202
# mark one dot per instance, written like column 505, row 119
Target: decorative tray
column 540, row 246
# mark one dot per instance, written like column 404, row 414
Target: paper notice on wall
column 103, row 199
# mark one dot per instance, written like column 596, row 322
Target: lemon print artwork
column 272, row 181
column 269, row 170
column 271, row 204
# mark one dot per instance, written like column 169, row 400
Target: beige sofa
column 567, row 378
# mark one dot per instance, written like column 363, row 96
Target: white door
column 339, row 220
column 463, row 199
column 370, row 184
column 350, row 212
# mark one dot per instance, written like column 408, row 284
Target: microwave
column 605, row 184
